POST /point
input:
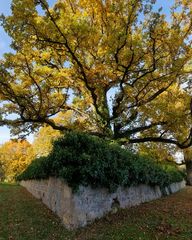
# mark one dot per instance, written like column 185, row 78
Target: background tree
column 43, row 141
column 158, row 151
column 2, row 175
column 15, row 156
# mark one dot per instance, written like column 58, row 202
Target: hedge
column 83, row 159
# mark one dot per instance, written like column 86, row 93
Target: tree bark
column 188, row 162
column 189, row 172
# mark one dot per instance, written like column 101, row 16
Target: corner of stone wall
column 81, row 208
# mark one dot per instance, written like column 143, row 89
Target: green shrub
column 174, row 174
column 38, row 169
column 149, row 172
column 82, row 159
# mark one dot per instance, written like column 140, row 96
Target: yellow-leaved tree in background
column 15, row 156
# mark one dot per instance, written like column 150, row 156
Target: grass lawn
column 24, row 218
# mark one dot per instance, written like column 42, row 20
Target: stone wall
column 81, row 208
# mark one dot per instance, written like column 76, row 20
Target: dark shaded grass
column 24, row 218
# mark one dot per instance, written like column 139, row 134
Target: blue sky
column 4, row 47
column 5, row 42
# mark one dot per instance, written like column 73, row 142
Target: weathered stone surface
column 81, row 208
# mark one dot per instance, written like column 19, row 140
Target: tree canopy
column 118, row 65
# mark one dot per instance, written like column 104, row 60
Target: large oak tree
column 117, row 64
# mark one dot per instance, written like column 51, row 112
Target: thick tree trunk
column 188, row 162
column 189, row 172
